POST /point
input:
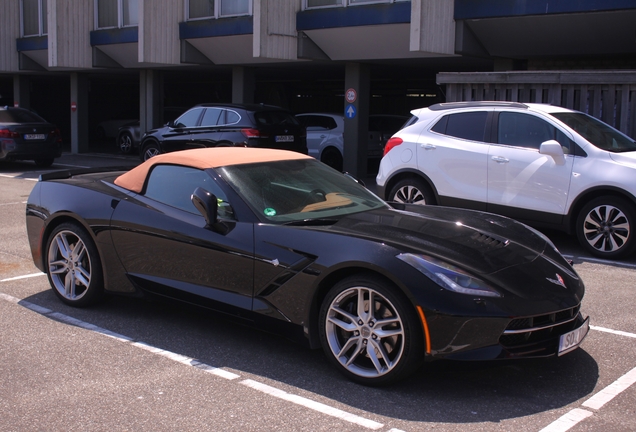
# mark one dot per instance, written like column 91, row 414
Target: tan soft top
column 203, row 158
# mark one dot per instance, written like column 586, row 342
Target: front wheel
column 605, row 227
column 73, row 266
column 150, row 150
column 370, row 332
column 411, row 191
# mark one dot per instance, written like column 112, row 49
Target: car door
column 177, row 135
column 166, row 248
column 208, row 132
column 522, row 182
column 453, row 155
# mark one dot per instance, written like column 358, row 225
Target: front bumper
column 526, row 337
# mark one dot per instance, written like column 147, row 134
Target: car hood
column 482, row 243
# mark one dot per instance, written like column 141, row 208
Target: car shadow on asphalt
column 441, row 391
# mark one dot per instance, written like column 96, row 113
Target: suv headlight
column 448, row 276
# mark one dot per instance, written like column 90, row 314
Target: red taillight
column 251, row 133
column 57, row 134
column 6, row 133
column 393, row 142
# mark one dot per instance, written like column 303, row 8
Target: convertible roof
column 203, row 158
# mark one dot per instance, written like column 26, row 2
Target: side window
column 232, row 117
column 189, row 118
column 468, row 125
column 212, row 117
column 523, row 130
column 173, row 185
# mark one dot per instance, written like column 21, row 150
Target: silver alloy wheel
column 365, row 332
column 606, row 228
column 125, row 143
column 150, row 152
column 409, row 195
column 69, row 265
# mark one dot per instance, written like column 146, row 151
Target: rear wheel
column 411, row 191
column 73, row 266
column 370, row 332
column 605, row 227
column 151, row 149
column 124, row 142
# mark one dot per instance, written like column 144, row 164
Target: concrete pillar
column 243, row 85
column 22, row 91
column 356, row 124
column 150, row 99
column 79, row 113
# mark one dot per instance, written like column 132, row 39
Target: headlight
column 449, row 276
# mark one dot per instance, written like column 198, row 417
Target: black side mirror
column 207, row 205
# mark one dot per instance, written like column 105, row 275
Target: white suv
column 541, row 164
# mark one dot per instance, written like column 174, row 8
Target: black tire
column 332, row 157
column 125, row 142
column 411, row 190
column 43, row 163
column 73, row 266
column 346, row 343
column 606, row 227
column 149, row 149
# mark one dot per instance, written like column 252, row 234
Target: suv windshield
column 596, row 132
column 298, row 190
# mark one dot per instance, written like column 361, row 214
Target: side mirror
column 206, row 203
column 554, row 149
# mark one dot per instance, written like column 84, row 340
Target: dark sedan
column 227, row 125
column 286, row 243
column 25, row 135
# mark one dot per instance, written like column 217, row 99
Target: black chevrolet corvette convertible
column 282, row 241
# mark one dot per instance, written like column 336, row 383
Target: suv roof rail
column 475, row 104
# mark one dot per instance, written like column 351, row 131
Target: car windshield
column 596, row 132
column 298, row 190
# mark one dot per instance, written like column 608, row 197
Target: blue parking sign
column 350, row 111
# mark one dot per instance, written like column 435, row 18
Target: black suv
column 216, row 125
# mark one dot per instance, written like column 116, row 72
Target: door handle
column 428, row 146
column 500, row 159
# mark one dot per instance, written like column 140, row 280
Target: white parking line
column 611, row 391
column 616, row 332
column 23, row 277
column 188, row 361
column 567, row 421
column 316, row 406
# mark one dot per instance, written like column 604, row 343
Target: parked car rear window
column 270, row 118
column 19, row 116
column 469, row 125
column 316, row 122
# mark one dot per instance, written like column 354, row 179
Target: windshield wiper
column 312, row 222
